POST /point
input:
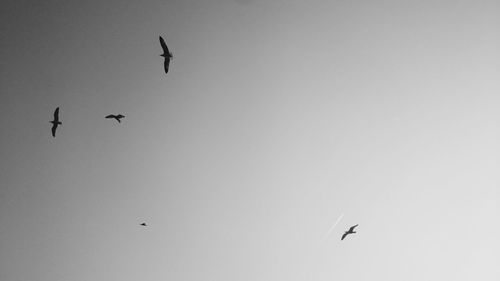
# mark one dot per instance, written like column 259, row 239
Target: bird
column 350, row 231
column 117, row 117
column 166, row 54
column 144, row 224
column 55, row 122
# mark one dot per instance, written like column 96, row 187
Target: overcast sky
column 276, row 118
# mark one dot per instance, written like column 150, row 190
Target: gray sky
column 275, row 118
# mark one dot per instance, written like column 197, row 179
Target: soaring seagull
column 117, row 117
column 166, row 54
column 55, row 122
column 144, row 224
column 350, row 231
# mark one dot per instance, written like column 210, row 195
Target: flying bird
column 55, row 122
column 166, row 54
column 350, row 231
column 144, row 224
column 117, row 117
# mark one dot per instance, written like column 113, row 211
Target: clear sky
column 276, row 118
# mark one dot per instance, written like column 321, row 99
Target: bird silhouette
column 144, row 224
column 117, row 117
column 166, row 54
column 55, row 122
column 350, row 231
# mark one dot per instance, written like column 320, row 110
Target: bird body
column 117, row 117
column 350, row 231
column 166, row 54
column 55, row 122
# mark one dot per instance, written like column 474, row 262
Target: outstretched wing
column 166, row 64
column 344, row 235
column 54, row 127
column 164, row 46
column 352, row 228
column 120, row 116
column 56, row 115
column 110, row 116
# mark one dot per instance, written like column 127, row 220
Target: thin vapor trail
column 333, row 226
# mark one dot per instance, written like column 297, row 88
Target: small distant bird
column 144, row 224
column 117, row 117
column 350, row 231
column 55, row 122
column 166, row 54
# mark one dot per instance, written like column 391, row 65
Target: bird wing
column 110, row 116
column 352, row 228
column 54, row 127
column 344, row 235
column 164, row 46
column 56, row 115
column 166, row 64
column 120, row 116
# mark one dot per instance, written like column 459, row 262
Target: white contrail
column 333, row 226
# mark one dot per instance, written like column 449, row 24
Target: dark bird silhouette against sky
column 350, row 231
column 166, row 54
column 144, row 224
column 117, row 117
column 55, row 122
